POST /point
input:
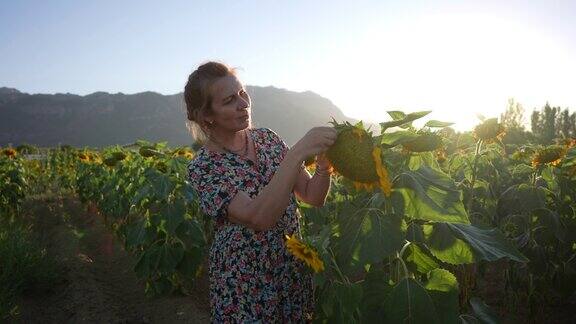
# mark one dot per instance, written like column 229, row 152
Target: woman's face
column 230, row 105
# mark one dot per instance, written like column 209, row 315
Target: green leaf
column 423, row 159
column 397, row 115
column 437, row 124
column 135, row 233
column 349, row 295
column 443, row 289
column 368, row 236
column 161, row 184
column 375, row 291
column 447, row 306
column 190, row 233
column 396, row 138
column 191, row 262
column 401, row 119
column 410, row 303
column 444, row 245
column 429, row 194
column 170, row 256
column 468, row 319
column 142, row 267
column 522, row 170
column 327, row 300
column 173, row 216
column 551, row 224
column 414, row 233
column 154, row 256
column 441, row 280
column 521, row 198
column 488, row 244
column 162, row 285
column 483, row 312
column 417, row 257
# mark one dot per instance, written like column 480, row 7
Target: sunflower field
column 421, row 225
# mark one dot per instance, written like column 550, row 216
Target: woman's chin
column 245, row 124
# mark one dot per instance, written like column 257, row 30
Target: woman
column 247, row 180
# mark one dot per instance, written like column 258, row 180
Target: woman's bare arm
column 312, row 189
column 262, row 212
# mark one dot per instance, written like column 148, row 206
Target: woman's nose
column 243, row 103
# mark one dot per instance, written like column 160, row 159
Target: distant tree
column 513, row 117
column 552, row 122
column 567, row 124
column 535, row 123
column 513, row 120
column 550, row 117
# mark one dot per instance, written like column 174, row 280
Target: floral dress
column 253, row 278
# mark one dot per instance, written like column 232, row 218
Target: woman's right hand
column 316, row 141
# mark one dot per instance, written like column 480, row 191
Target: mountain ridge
column 101, row 118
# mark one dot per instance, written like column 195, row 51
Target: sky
column 456, row 58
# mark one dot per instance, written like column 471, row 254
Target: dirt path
column 98, row 284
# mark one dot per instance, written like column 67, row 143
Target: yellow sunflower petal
column 304, row 252
column 384, row 182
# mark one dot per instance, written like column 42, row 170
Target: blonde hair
column 198, row 97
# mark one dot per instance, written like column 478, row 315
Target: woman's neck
column 227, row 140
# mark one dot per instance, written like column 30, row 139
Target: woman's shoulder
column 267, row 134
column 200, row 162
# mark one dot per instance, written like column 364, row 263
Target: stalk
column 337, row 268
column 474, row 170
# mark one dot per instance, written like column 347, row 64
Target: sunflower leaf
column 400, row 119
column 368, row 236
column 410, row 303
column 396, row 138
column 428, row 194
column 437, row 124
column 445, row 246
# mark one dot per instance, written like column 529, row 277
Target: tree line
column 546, row 124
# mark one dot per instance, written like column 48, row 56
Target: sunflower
column 441, row 155
column 85, row 158
column 149, row 151
column 110, row 161
column 551, row 155
column 304, row 252
column 568, row 142
column 355, row 156
column 95, row 158
column 424, row 143
column 185, row 152
column 489, row 131
column 161, row 166
column 310, row 161
column 119, row 156
column 10, row 152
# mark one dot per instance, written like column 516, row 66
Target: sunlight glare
column 455, row 65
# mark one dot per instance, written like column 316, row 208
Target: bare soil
column 97, row 283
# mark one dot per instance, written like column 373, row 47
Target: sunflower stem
column 405, row 247
column 474, row 170
column 337, row 268
column 404, row 267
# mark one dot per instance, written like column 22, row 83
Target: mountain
column 101, row 119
